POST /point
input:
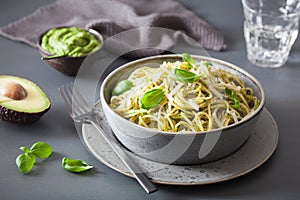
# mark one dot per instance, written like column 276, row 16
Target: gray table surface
column 276, row 179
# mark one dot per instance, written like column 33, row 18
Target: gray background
column 276, row 179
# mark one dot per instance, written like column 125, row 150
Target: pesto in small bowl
column 69, row 41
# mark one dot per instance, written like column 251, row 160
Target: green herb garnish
column 187, row 58
column 26, row 161
column 75, row 165
column 185, row 76
column 232, row 96
column 41, row 150
column 207, row 64
column 151, row 98
column 122, row 87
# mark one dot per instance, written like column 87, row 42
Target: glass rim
column 293, row 14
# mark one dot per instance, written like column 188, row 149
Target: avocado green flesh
column 29, row 109
column 70, row 41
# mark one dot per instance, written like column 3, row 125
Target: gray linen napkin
column 110, row 17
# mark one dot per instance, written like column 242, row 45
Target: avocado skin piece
column 20, row 117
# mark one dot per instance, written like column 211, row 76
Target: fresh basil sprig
column 75, row 165
column 185, row 76
column 26, row 160
column 151, row 98
column 187, row 58
column 122, row 87
column 232, row 95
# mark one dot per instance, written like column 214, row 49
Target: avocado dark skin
column 20, row 117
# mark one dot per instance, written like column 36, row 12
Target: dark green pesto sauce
column 70, row 41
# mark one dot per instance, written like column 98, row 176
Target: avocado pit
column 13, row 90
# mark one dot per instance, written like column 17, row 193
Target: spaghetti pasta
column 184, row 96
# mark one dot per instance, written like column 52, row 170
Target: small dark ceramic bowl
column 181, row 147
column 67, row 65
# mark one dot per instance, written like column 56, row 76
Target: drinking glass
column 270, row 30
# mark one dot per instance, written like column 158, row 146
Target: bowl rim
column 221, row 62
column 97, row 35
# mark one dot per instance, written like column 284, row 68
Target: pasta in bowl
column 181, row 109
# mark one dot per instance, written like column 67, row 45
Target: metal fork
column 80, row 112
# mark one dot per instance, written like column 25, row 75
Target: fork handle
column 141, row 177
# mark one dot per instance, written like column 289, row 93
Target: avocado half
column 21, row 100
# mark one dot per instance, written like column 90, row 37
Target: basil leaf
column 122, row 87
column 25, row 149
column 236, row 104
column 232, row 95
column 185, row 76
column 228, row 91
column 207, row 64
column 75, row 165
column 151, row 98
column 187, row 58
column 25, row 162
column 41, row 150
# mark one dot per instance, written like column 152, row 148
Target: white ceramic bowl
column 179, row 148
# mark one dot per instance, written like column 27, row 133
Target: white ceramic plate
column 257, row 149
